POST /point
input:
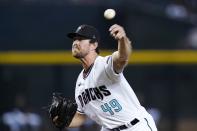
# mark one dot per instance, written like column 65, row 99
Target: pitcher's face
column 80, row 47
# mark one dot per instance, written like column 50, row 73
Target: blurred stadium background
column 35, row 57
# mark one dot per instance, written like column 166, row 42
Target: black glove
column 62, row 111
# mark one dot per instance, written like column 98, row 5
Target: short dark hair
column 97, row 48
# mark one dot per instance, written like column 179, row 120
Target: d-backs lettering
column 92, row 94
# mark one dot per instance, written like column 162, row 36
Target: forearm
column 121, row 56
column 124, row 49
column 77, row 120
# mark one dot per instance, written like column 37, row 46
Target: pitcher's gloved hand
column 62, row 111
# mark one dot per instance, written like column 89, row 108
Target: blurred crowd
column 22, row 117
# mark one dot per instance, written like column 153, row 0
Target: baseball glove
column 62, row 111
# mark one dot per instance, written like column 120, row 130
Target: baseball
column 109, row 14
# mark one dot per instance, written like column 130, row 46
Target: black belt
column 122, row 127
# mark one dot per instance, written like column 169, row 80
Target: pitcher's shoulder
column 103, row 59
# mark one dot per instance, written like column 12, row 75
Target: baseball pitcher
column 102, row 93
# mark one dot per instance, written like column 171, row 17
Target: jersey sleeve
column 79, row 106
column 110, row 70
column 80, row 112
column 79, row 109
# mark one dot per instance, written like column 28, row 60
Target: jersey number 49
column 111, row 107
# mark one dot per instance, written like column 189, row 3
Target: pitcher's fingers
column 115, row 30
column 112, row 27
column 119, row 36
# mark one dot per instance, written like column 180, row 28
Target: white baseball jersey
column 105, row 96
